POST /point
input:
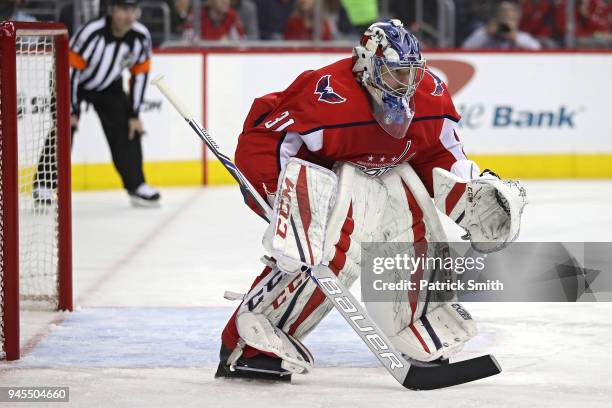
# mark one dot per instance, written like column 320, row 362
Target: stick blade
column 434, row 377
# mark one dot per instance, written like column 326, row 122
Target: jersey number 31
column 283, row 121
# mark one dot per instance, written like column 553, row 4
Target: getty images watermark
column 416, row 265
column 535, row 272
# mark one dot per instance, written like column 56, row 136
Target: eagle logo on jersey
column 439, row 89
column 326, row 92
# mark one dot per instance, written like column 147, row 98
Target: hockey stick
column 245, row 186
column 415, row 377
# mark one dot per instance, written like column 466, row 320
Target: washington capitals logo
column 375, row 165
column 439, row 89
column 326, row 92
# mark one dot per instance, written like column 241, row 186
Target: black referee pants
column 112, row 107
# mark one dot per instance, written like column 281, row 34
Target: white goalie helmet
column 389, row 65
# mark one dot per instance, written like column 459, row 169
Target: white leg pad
column 258, row 332
column 441, row 333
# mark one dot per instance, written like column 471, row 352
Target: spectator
column 502, row 32
column 247, row 10
column 9, row 10
column 539, row 21
column 301, row 23
column 592, row 21
column 180, row 18
column 332, row 10
column 536, row 17
column 341, row 23
column 220, row 22
column 272, row 16
column 470, row 15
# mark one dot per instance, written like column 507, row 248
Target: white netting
column 38, row 204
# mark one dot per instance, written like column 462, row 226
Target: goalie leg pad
column 291, row 302
column 439, row 334
column 301, row 210
column 258, row 332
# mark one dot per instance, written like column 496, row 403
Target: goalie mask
column 388, row 62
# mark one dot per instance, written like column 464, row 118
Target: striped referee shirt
column 97, row 59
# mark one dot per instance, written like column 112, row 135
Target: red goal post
column 35, row 233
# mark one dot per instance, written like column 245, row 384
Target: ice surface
column 149, row 286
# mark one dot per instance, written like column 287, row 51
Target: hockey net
column 35, row 174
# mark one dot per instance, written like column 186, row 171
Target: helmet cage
column 399, row 79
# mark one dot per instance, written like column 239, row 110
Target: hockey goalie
column 363, row 150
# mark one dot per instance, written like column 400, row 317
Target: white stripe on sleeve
column 314, row 140
column 450, row 141
column 289, row 148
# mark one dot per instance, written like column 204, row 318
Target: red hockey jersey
column 324, row 116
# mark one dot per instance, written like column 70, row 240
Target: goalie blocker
column 330, row 214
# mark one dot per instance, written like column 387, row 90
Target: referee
column 99, row 52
